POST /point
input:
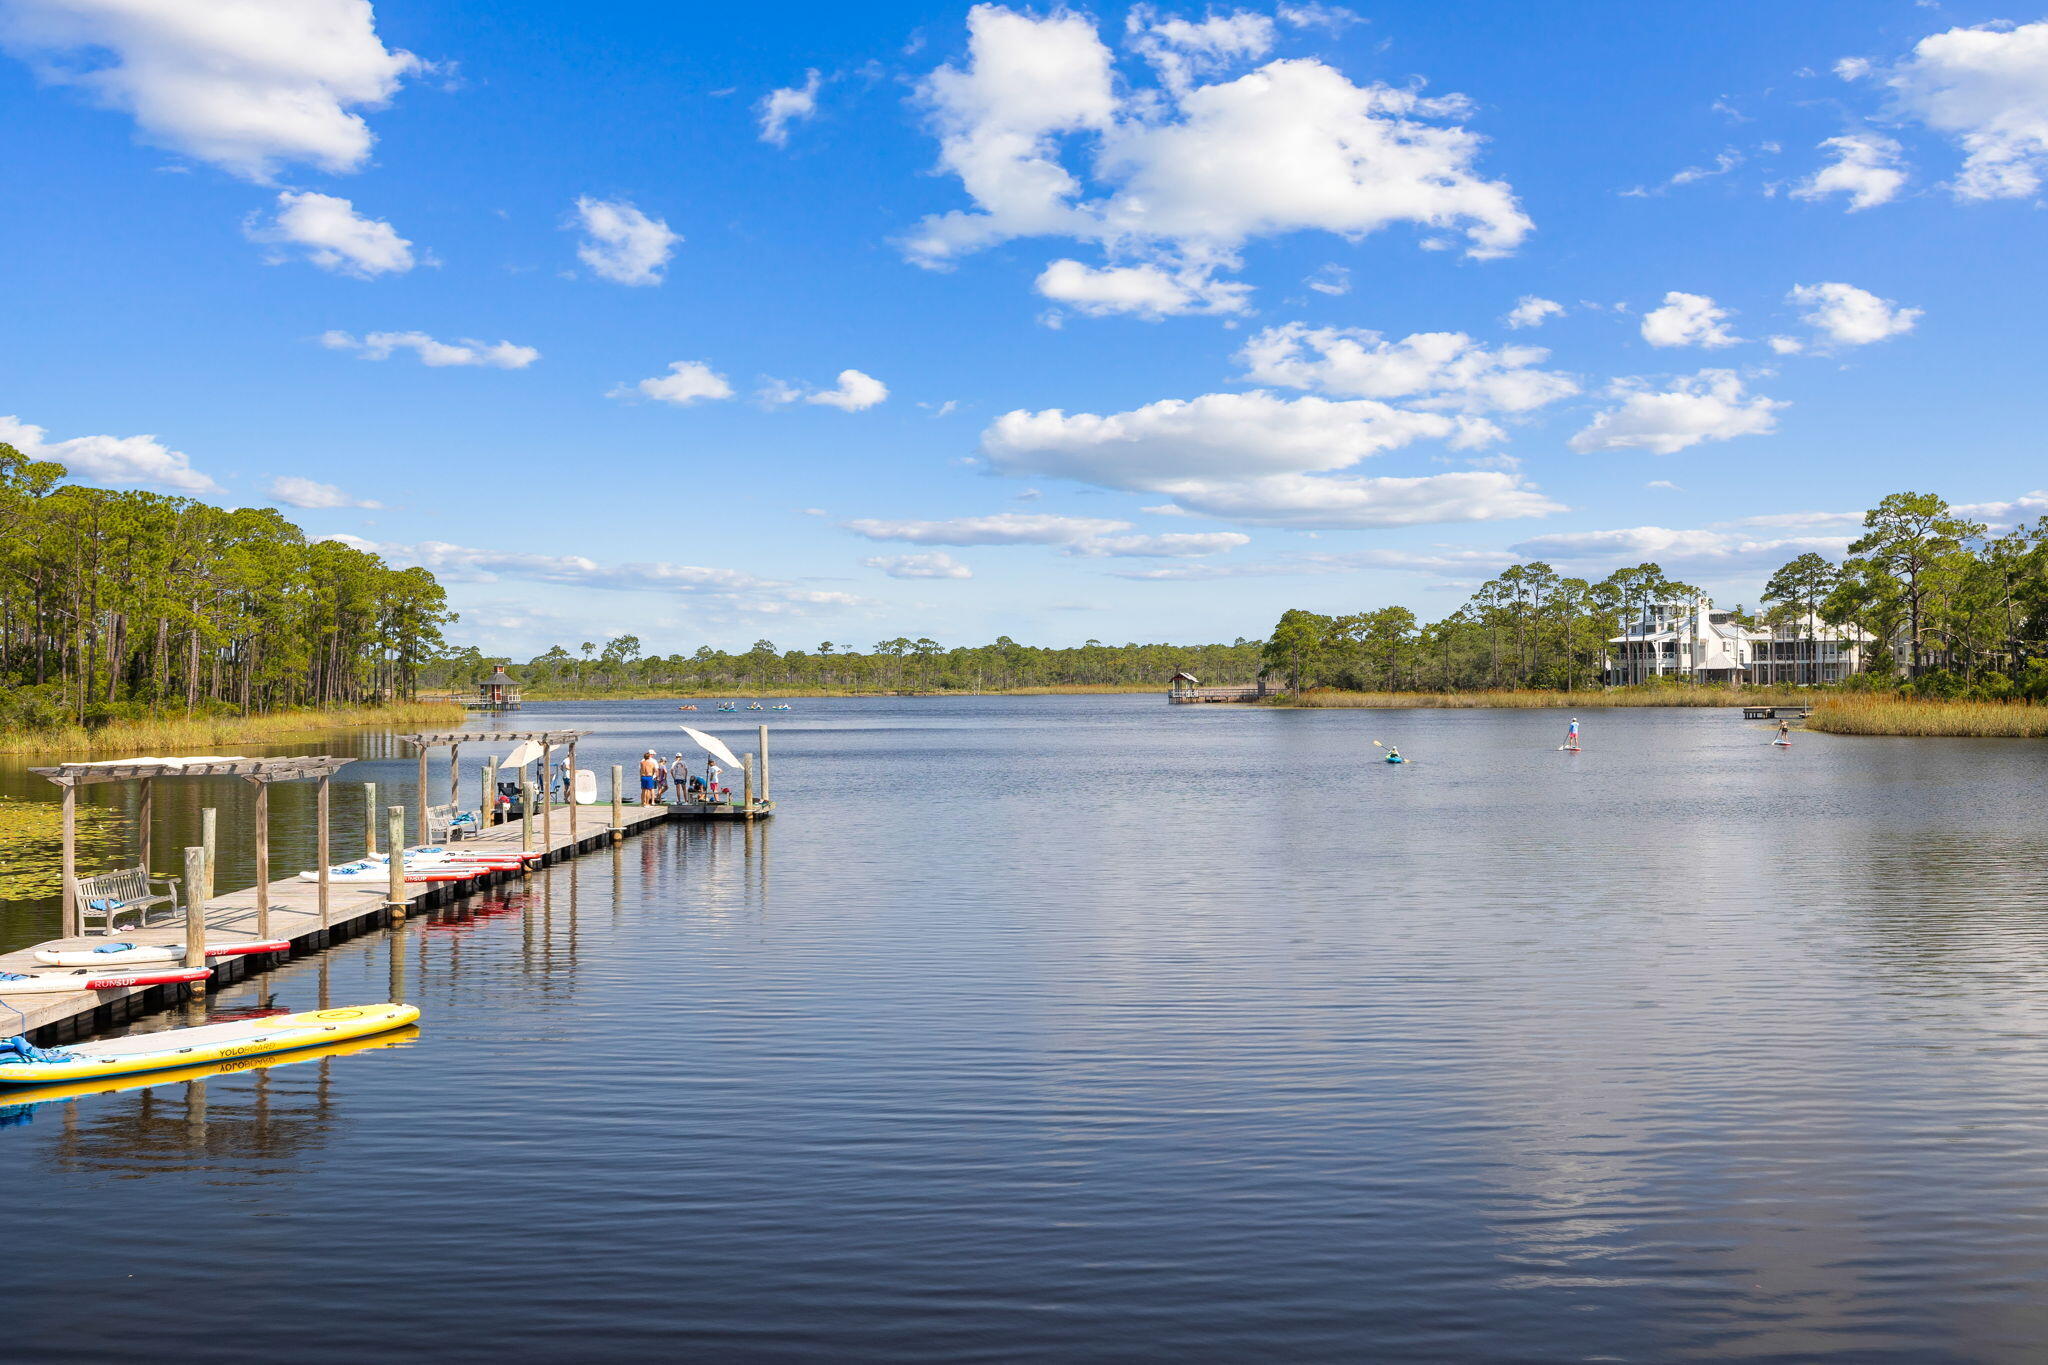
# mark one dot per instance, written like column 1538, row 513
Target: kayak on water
column 85, row 979
column 1394, row 758
column 24, row 1064
column 120, row 956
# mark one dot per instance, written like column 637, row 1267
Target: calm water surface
column 1093, row 1029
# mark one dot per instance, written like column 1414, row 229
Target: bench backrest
column 122, row 884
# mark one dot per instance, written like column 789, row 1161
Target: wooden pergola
column 455, row 739
column 260, row 772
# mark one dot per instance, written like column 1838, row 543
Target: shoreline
column 834, row 693
column 1536, row 700
column 181, row 732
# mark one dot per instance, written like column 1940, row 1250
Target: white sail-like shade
column 713, row 745
column 526, row 752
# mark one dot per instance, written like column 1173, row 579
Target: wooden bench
column 446, row 823
column 103, row 899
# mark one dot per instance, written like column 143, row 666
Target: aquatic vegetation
column 31, row 845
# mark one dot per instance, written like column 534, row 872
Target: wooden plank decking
column 295, row 917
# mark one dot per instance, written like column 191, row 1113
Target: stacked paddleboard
column 188, row 1047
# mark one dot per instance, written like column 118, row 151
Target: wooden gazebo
column 455, row 739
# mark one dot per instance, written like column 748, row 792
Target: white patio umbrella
column 524, row 753
column 713, row 745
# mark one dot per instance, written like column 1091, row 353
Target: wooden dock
column 353, row 908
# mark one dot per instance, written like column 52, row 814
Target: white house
column 1683, row 639
column 1691, row 640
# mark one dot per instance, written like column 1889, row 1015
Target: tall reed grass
column 1534, row 700
column 1883, row 714
column 197, row 732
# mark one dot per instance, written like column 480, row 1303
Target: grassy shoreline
column 1925, row 717
column 1532, row 700
column 800, row 693
column 180, row 732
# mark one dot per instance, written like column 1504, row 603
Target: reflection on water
column 1065, row 1028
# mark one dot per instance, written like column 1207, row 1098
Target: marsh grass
column 199, row 732
column 1884, row 714
column 1537, row 700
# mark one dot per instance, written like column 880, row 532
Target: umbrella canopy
column 713, row 745
column 526, row 752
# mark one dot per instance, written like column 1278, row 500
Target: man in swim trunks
column 1571, row 735
column 650, row 777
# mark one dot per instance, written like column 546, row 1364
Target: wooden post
column 395, row 887
column 525, row 812
column 263, row 860
column 454, row 777
column 196, row 874
column 747, row 783
column 145, row 809
column 326, row 855
column 569, row 790
column 209, row 843
column 72, row 923
column 764, row 765
column 370, row 819
column 618, row 802
column 421, row 824
column 487, row 809
column 547, row 806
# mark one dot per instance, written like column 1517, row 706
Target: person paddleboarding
column 1784, row 739
column 1571, row 735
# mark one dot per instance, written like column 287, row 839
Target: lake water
column 1060, row 1029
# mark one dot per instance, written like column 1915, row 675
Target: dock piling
column 321, row 810
column 70, row 870
column 618, row 803
column 209, row 844
column 764, row 763
column 525, row 812
column 370, row 819
column 196, row 874
column 420, row 825
column 747, row 784
column 263, row 860
column 569, row 791
column 396, row 818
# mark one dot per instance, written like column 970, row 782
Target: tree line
column 898, row 665
column 121, row 604
column 1953, row 609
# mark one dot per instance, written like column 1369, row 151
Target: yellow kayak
column 206, row 1071
column 187, row 1047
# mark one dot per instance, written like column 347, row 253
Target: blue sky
column 1127, row 323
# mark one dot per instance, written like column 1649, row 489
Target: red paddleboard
column 61, row 983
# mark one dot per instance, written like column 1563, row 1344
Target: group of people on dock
column 669, row 781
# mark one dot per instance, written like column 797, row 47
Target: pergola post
column 326, row 856
column 764, row 763
column 71, row 921
column 420, row 825
column 209, row 842
column 370, row 819
column 262, row 858
column 196, row 873
column 618, row 803
column 747, row 783
column 525, row 812
column 145, row 809
column 547, row 798
column 395, row 885
column 454, row 777
column 569, row 790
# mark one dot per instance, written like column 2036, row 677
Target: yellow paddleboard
column 114, row 1085
column 187, row 1047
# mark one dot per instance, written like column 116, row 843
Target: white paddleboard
column 120, row 956
column 86, row 979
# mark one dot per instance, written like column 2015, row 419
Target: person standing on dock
column 711, row 775
column 679, row 773
column 650, row 769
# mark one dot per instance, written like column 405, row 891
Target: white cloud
column 1848, row 316
column 1531, row 311
column 2001, row 514
column 687, row 382
column 115, row 461
column 855, row 392
column 1174, row 545
column 933, row 564
column 1665, row 484
column 1439, row 561
column 1439, row 369
column 1355, row 503
column 1181, row 49
column 500, row 355
column 1148, row 291
column 794, row 104
column 1709, row 406
column 1331, row 279
column 1180, row 176
column 333, row 236
column 294, row 491
column 621, row 243
column 1687, row 320
column 1002, row 528
column 1725, row 548
column 244, row 86
column 1988, row 89
column 1868, row 167
column 1784, row 345
column 732, row 588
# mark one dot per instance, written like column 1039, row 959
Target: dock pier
column 291, row 910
